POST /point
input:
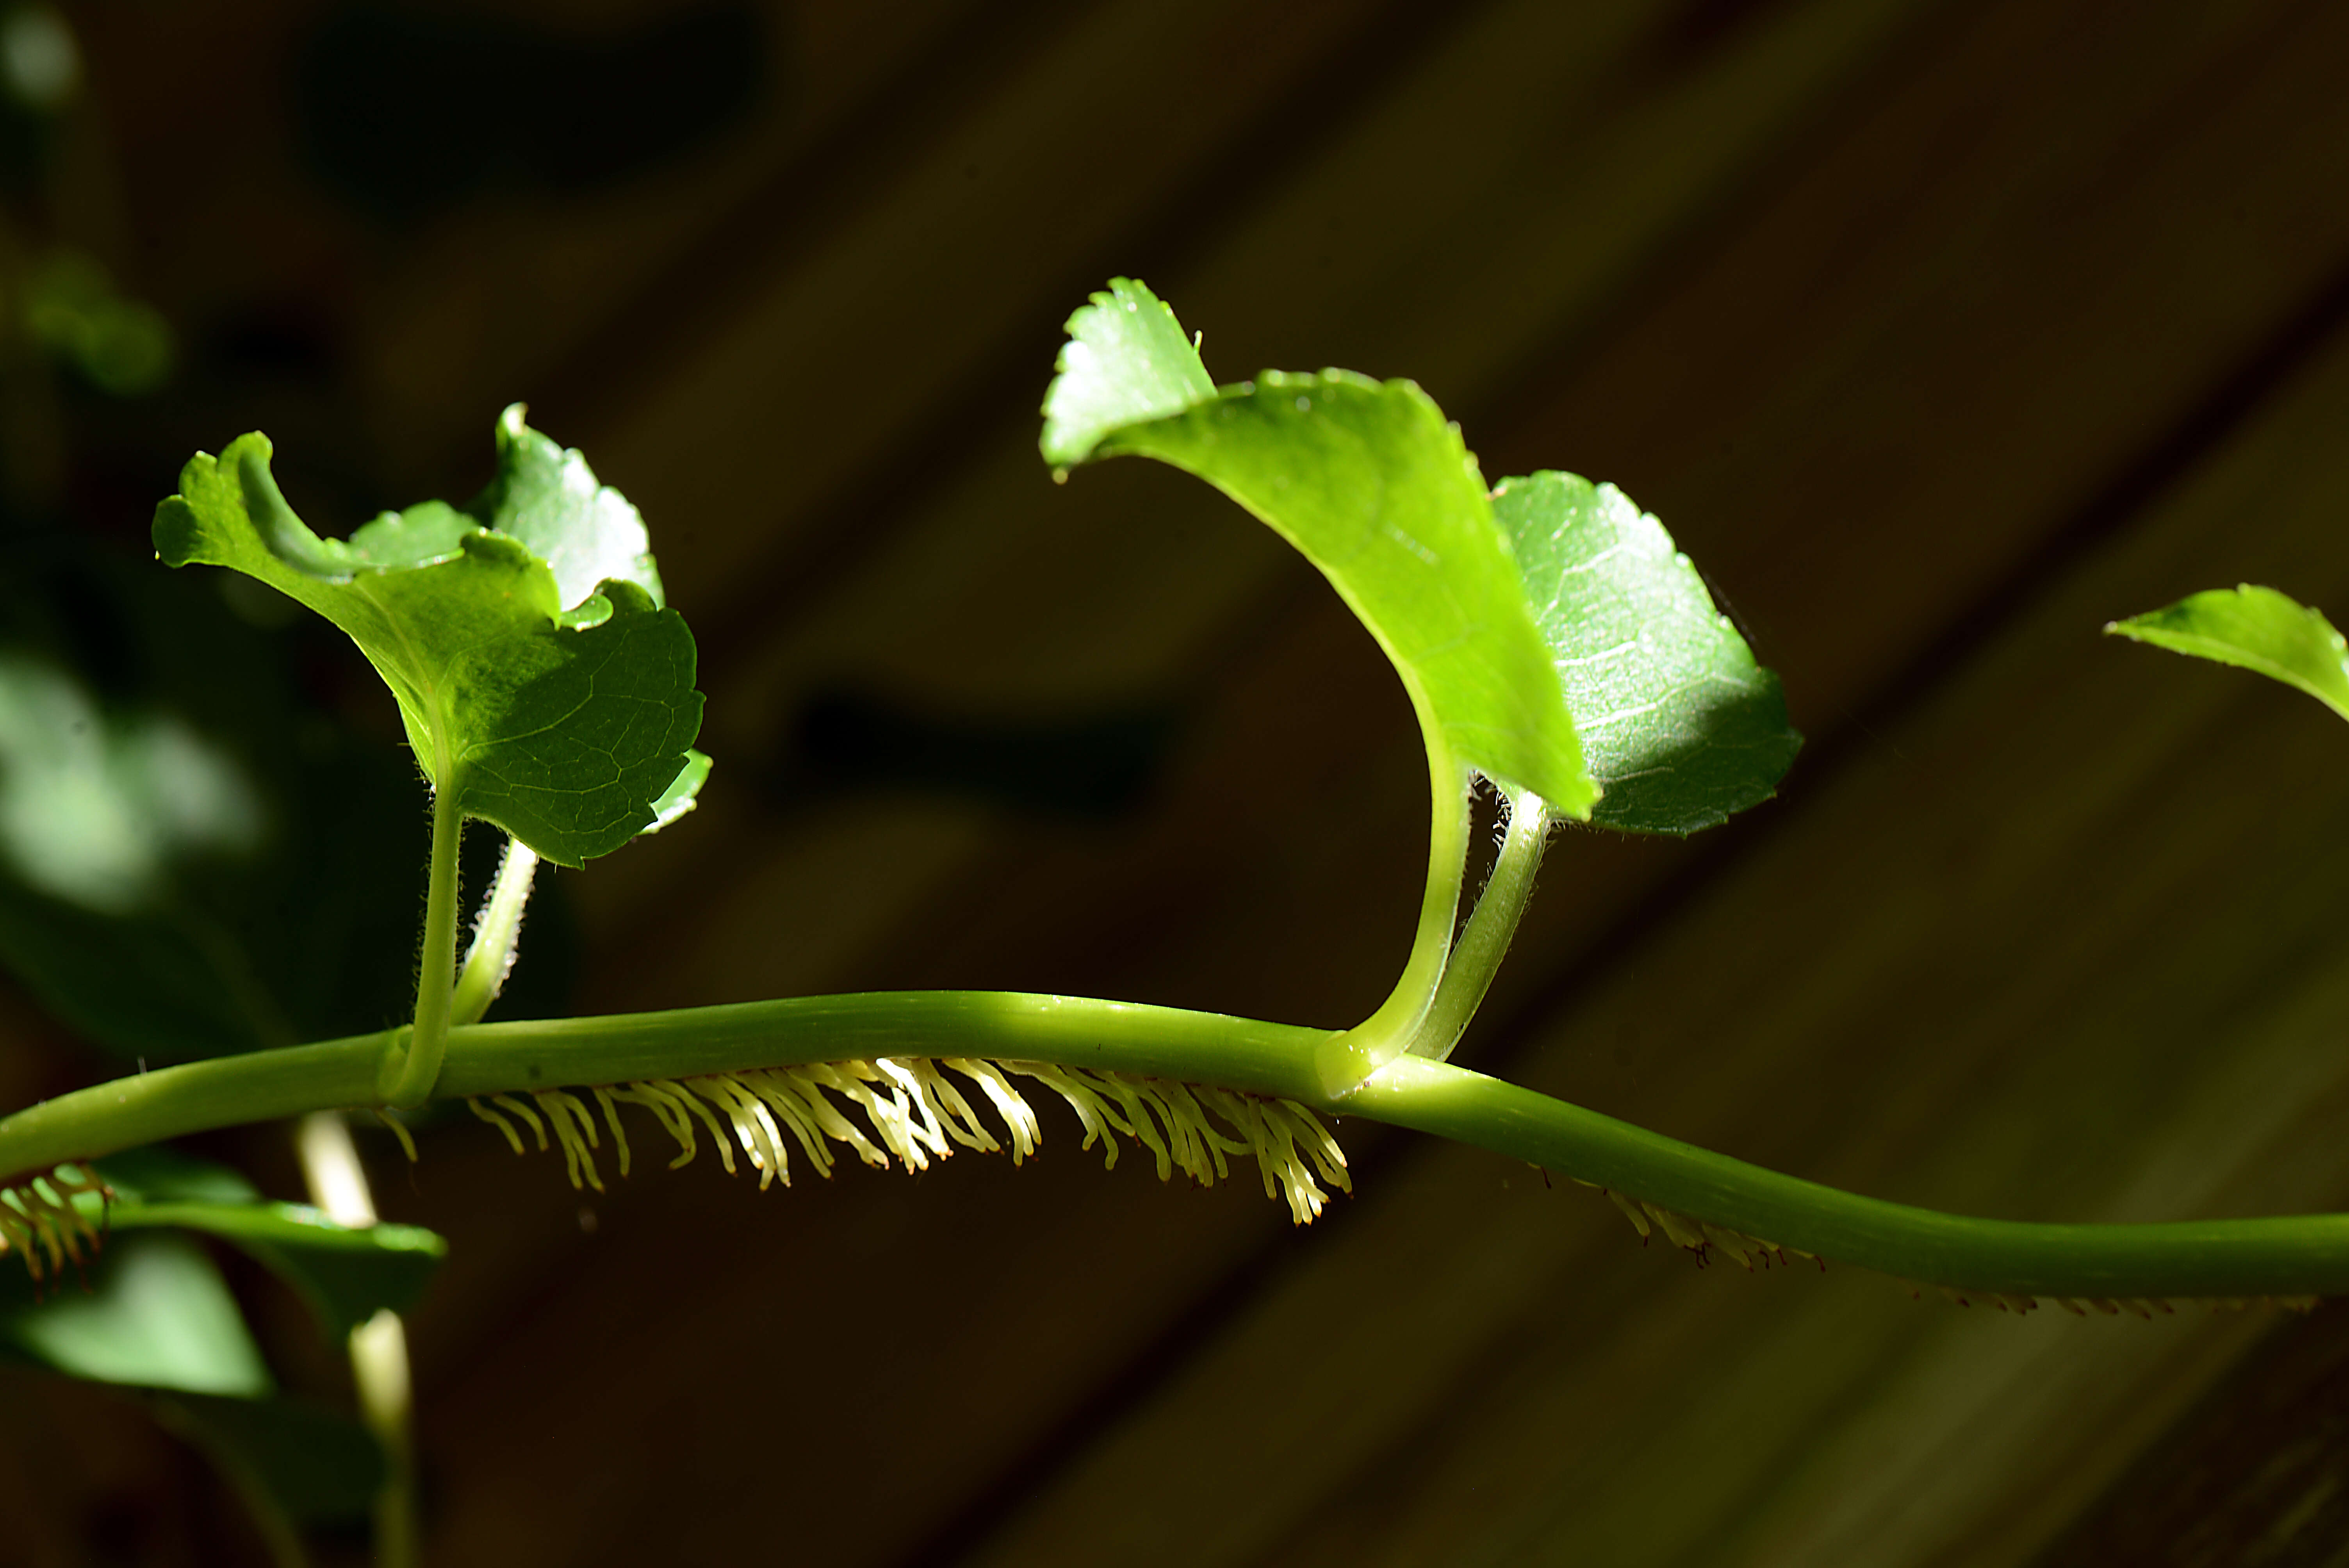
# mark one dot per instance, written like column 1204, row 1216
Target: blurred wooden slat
column 981, row 597
column 818, row 374
column 1138, row 1271
column 1890, row 995
column 1877, row 303
column 2253, row 1474
column 936, row 600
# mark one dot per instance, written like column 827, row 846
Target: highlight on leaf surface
column 538, row 675
column 2256, row 629
column 1678, row 722
column 1126, row 361
column 1368, row 480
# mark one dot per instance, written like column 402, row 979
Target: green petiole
column 408, row 1069
column 496, row 938
column 1349, row 1057
column 1468, row 973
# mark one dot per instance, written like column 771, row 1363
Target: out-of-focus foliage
column 193, row 861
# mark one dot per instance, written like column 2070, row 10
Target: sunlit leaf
column 562, row 722
column 2257, row 629
column 547, row 497
column 1367, row 479
column 1678, row 724
column 1126, row 362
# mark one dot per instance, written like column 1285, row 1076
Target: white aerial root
column 909, row 1109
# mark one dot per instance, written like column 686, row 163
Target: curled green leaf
column 2255, row 629
column 683, row 792
column 1678, row 722
column 1369, row 481
column 563, row 720
column 1126, row 362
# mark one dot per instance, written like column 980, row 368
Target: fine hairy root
column 909, row 1109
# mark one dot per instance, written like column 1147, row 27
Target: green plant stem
column 2298, row 1256
column 504, row 1058
column 379, row 1347
column 2295, row 1255
column 1477, row 956
column 413, row 1071
column 496, row 936
column 1347, row 1058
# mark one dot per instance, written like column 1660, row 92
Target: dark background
column 1939, row 333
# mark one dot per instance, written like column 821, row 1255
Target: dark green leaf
column 1678, row 724
column 2257, row 629
column 316, row 1465
column 1366, row 480
column 561, row 725
column 346, row 1275
column 155, row 1313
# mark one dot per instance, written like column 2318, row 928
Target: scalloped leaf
column 562, row 724
column 2252, row 628
column 1126, row 362
column 1678, row 722
column 545, row 495
column 1370, row 484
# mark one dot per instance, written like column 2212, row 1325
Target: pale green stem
column 409, row 1074
column 2299, row 1256
column 379, row 1347
column 1347, row 1059
column 496, row 936
column 1477, row 956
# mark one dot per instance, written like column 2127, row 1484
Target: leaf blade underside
column 1679, row 724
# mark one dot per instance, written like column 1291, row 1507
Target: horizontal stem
column 2296, row 1255
column 2302, row 1256
column 505, row 1058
